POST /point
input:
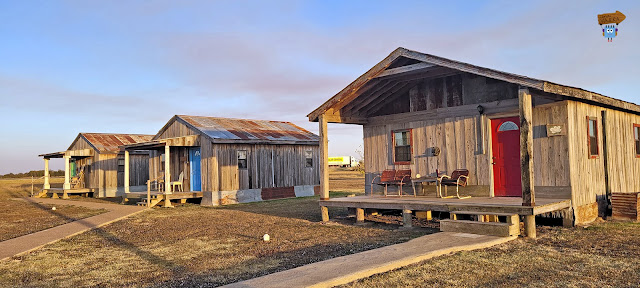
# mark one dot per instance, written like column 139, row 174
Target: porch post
column 526, row 158
column 167, row 172
column 46, row 174
column 126, row 171
column 324, row 166
column 67, row 181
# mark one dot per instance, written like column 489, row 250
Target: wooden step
column 482, row 213
column 481, row 228
column 512, row 218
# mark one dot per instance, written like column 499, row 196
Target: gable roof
column 229, row 130
column 423, row 61
column 110, row 142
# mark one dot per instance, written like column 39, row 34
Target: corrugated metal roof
column 109, row 142
column 248, row 130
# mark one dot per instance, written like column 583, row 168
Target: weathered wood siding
column 176, row 129
column 220, row 172
column 623, row 165
column 81, row 144
column 550, row 154
column 138, row 170
column 457, row 138
column 587, row 174
column 267, row 166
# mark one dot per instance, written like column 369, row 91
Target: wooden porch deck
column 422, row 203
column 173, row 195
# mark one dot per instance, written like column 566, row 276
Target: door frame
column 191, row 178
column 489, row 140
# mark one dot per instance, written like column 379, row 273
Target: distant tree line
column 36, row 174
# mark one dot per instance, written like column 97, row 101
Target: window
column 402, row 147
column 161, row 162
column 592, row 129
column 120, row 165
column 636, row 138
column 242, row 159
column 308, row 158
column 508, row 126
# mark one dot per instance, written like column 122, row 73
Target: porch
column 75, row 178
column 426, row 203
column 495, row 216
column 172, row 161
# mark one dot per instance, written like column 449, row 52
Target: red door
column 505, row 145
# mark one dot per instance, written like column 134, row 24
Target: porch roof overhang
column 182, row 141
column 399, row 71
column 80, row 153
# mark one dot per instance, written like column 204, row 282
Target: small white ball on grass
column 53, row 208
column 266, row 237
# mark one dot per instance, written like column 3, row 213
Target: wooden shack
column 228, row 161
column 95, row 165
column 531, row 146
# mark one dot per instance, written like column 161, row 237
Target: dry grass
column 198, row 246
column 19, row 217
column 346, row 180
column 602, row 255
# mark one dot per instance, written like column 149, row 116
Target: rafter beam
column 404, row 70
column 387, row 98
column 368, row 98
column 434, row 73
column 355, row 93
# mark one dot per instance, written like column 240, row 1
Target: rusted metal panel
column 248, row 130
column 109, row 143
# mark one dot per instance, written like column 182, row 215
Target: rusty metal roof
column 110, row 142
column 245, row 130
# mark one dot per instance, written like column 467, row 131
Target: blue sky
column 128, row 66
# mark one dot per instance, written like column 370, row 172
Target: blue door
column 194, row 159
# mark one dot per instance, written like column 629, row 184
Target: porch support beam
column 530, row 226
column 406, row 218
column 167, row 171
column 526, row 147
column 359, row 215
column 126, row 171
column 46, row 174
column 526, row 159
column 67, row 181
column 324, row 165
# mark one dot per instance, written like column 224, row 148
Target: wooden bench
column 395, row 178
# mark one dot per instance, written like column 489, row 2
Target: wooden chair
column 78, row 181
column 458, row 178
column 178, row 183
column 393, row 177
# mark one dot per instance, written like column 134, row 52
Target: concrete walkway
column 26, row 243
column 346, row 269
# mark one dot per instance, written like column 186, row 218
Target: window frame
column 120, row 165
column 246, row 156
column 636, row 138
column 597, row 155
column 393, row 146
column 306, row 159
